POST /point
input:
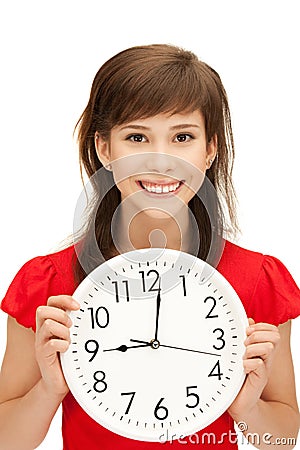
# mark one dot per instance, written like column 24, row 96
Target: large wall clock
column 157, row 345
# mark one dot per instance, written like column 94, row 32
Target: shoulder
column 238, row 263
column 54, row 268
column 63, row 262
column 248, row 265
column 37, row 280
column 263, row 283
column 235, row 252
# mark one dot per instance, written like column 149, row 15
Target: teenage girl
column 161, row 101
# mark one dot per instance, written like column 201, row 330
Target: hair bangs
column 172, row 88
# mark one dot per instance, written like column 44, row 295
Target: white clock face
column 157, row 345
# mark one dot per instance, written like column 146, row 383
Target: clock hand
column 176, row 348
column 189, row 350
column 158, row 300
column 124, row 348
column 140, row 342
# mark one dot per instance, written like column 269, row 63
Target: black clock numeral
column 216, row 371
column 99, row 382
column 214, row 302
column 183, row 284
column 130, row 401
column 220, row 338
column 192, row 395
column 161, row 412
column 92, row 347
column 116, row 284
column 100, row 317
column 152, row 288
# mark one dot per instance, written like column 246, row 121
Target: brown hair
column 141, row 82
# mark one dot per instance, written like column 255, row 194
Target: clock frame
column 156, row 346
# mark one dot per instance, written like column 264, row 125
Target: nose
column 160, row 162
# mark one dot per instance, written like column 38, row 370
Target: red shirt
column 266, row 288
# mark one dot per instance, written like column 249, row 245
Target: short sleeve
column 35, row 282
column 276, row 297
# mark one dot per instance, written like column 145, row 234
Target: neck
column 152, row 229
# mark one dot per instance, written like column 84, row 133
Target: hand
column 171, row 346
column 53, row 336
column 124, row 348
column 158, row 300
column 262, row 340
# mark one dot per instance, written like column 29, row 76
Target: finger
column 48, row 312
column 53, row 337
column 262, row 350
column 52, row 329
column 255, row 365
column 65, row 302
column 263, row 336
column 261, row 327
column 53, row 346
column 251, row 321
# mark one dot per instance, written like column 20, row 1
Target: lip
column 160, row 183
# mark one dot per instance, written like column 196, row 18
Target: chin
column 157, row 214
column 153, row 208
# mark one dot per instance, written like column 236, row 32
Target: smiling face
column 167, row 156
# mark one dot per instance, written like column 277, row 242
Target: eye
column 136, row 138
column 183, row 137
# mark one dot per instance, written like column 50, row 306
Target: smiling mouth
column 160, row 188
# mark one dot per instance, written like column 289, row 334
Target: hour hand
column 123, row 348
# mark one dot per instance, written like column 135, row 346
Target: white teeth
column 162, row 188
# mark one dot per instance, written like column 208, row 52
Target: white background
column 50, row 52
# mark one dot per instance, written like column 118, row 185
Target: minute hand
column 178, row 348
column 158, row 300
column 189, row 350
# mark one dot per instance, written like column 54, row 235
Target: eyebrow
column 174, row 127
